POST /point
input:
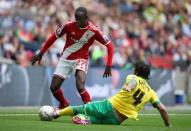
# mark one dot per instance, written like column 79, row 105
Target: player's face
column 81, row 19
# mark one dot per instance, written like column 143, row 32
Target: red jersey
column 78, row 40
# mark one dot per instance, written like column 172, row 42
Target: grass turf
column 26, row 119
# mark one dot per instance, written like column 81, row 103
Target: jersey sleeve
column 51, row 39
column 154, row 100
column 102, row 38
column 110, row 51
column 130, row 83
column 61, row 30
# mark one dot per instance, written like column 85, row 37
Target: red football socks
column 60, row 97
column 85, row 96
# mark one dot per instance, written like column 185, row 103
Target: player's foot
column 81, row 119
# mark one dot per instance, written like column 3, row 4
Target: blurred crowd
column 155, row 31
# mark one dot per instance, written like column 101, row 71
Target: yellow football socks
column 66, row 112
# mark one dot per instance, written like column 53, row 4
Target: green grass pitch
column 26, row 119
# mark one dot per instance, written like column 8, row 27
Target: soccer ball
column 46, row 113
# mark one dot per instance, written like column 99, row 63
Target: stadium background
column 155, row 31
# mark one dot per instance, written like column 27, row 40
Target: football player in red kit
column 80, row 35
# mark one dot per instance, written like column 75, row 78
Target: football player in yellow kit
column 132, row 97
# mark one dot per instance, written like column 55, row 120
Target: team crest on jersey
column 73, row 33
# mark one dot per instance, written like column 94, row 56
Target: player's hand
column 107, row 72
column 36, row 58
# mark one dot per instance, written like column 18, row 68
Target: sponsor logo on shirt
column 84, row 39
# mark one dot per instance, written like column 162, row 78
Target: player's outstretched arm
column 110, row 50
column 103, row 39
column 164, row 114
column 52, row 38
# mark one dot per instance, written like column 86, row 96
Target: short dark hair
column 83, row 10
column 142, row 69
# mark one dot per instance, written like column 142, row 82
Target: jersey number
column 137, row 96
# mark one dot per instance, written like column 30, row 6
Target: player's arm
column 51, row 39
column 110, row 50
column 164, row 114
column 160, row 107
column 103, row 39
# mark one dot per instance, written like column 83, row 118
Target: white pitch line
column 18, row 115
column 171, row 114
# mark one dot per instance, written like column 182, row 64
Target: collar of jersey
column 87, row 25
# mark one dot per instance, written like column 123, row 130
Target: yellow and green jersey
column 132, row 97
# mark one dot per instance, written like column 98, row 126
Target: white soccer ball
column 46, row 113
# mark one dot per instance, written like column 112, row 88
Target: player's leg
column 63, row 70
column 79, row 114
column 97, row 112
column 57, row 91
column 80, row 74
column 80, row 84
column 69, row 111
column 89, row 113
column 101, row 112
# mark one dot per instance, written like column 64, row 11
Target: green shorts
column 100, row 112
